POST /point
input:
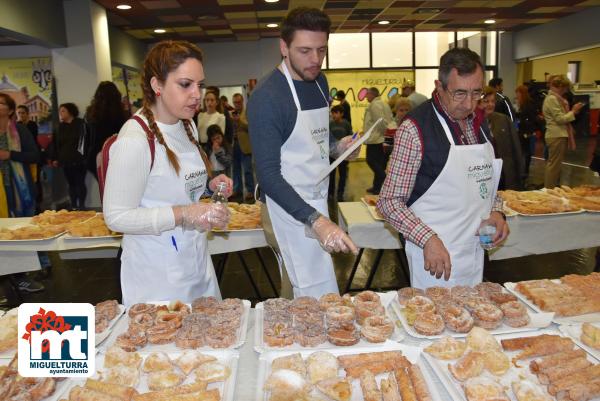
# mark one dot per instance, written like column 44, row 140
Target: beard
column 306, row 75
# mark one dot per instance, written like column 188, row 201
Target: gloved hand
column 344, row 144
column 204, row 216
column 331, row 237
column 214, row 183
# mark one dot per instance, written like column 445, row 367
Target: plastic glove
column 344, row 144
column 331, row 237
column 212, row 185
column 204, row 216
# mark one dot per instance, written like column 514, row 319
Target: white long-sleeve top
column 127, row 175
column 205, row 120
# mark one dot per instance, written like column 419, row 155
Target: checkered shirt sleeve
column 402, row 171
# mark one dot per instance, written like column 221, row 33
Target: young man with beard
column 288, row 116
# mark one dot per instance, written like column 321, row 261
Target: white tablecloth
column 21, row 256
column 535, row 235
column 365, row 231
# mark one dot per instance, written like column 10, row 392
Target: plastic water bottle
column 486, row 236
column 219, row 195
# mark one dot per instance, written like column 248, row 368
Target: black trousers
column 75, row 176
column 377, row 161
column 343, row 170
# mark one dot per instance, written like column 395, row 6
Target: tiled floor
column 93, row 280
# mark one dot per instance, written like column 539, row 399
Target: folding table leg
column 245, row 266
column 401, row 254
column 374, row 269
column 15, row 288
column 354, row 268
column 221, row 267
column 262, row 263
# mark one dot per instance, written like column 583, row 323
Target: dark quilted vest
column 435, row 147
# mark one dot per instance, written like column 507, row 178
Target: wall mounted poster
column 29, row 82
column 356, row 82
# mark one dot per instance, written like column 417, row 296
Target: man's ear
column 283, row 48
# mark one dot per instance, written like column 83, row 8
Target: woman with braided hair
column 153, row 199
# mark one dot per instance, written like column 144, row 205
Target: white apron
column 303, row 156
column 174, row 265
column 453, row 206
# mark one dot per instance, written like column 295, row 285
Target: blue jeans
column 241, row 162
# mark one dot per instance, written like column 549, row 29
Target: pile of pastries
column 536, row 202
column 61, row 217
column 584, row 197
column 105, row 312
column 310, row 322
column 460, row 308
column 123, row 372
column 30, row 232
column 573, row 295
column 46, row 225
column 244, row 216
column 15, row 387
column 371, row 200
column 209, row 322
column 293, row 378
column 94, row 227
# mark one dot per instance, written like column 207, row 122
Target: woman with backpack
column 153, row 189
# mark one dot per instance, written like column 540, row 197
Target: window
column 349, row 50
column 425, row 81
column 482, row 43
column 392, row 49
column 430, row 46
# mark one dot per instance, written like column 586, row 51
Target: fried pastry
column 287, row 385
column 8, row 332
column 590, row 335
column 389, row 388
column 470, row 365
column 369, row 388
column 156, row 362
column 405, row 387
column 79, row 393
column 484, row 389
column 115, row 355
column 336, row 388
column 526, row 390
column 480, row 339
column 164, row 379
column 212, row 372
column 292, row 362
column 447, row 348
column 169, row 394
column 322, row 365
column 496, row 362
column 116, row 390
column 419, row 384
column 122, row 374
column 191, row 360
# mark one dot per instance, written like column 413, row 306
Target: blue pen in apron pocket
column 174, row 243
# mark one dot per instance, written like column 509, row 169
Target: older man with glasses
column 442, row 179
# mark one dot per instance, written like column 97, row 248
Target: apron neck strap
column 288, row 77
column 442, row 121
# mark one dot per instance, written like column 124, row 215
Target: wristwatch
column 312, row 218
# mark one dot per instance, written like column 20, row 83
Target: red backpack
column 102, row 158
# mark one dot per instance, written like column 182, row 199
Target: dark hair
column 223, row 98
column 374, row 91
column 219, row 106
column 71, row 108
column 163, row 58
column 212, row 131
column 337, row 109
column 340, row 95
column 464, row 60
column 106, row 104
column 10, row 103
column 304, row 19
column 23, row 107
column 495, row 82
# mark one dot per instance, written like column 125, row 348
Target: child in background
column 218, row 150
